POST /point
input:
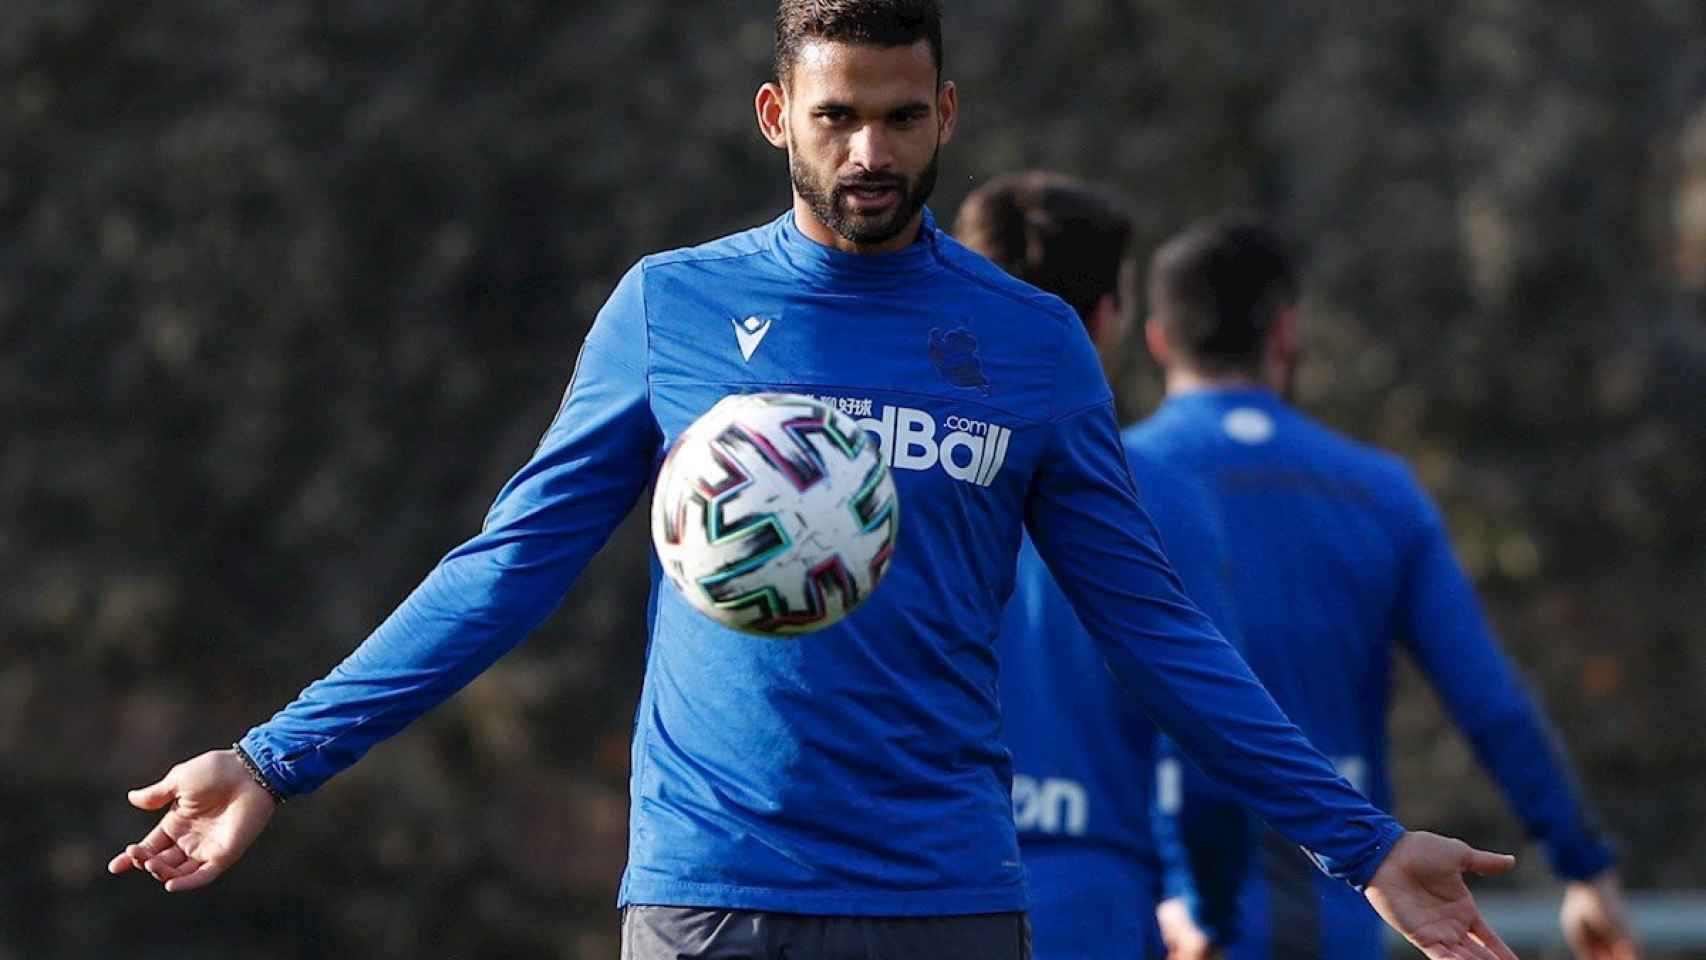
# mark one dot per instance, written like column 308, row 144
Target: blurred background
column 289, row 288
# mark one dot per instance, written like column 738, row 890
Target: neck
column 1182, row 380
column 820, row 232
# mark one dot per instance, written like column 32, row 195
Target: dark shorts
column 703, row 933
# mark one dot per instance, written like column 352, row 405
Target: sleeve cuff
column 1580, row 857
column 258, row 760
column 1359, row 874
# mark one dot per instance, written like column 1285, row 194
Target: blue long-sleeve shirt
column 1339, row 559
column 857, row 770
column 1084, row 752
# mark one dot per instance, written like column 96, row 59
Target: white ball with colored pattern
column 775, row 514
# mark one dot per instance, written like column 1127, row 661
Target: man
column 1339, row 559
column 1083, row 752
column 843, row 794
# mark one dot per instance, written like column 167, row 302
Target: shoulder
column 1143, row 438
column 986, row 279
column 735, row 246
column 641, row 282
column 1162, row 483
column 1387, row 477
column 1151, row 471
column 1355, row 456
column 1045, row 334
column 1167, row 435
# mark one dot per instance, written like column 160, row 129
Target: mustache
column 870, row 180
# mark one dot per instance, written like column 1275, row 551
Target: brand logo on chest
column 749, row 333
column 972, row 451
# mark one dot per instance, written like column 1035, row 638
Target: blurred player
column 843, row 795
column 1083, row 751
column 1339, row 560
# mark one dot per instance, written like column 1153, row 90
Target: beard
column 828, row 199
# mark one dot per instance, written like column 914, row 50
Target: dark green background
column 288, row 288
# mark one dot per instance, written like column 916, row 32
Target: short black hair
column 1052, row 231
column 1219, row 287
column 881, row 23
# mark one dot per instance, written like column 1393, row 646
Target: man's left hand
column 1419, row 891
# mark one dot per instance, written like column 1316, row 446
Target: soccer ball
column 774, row 514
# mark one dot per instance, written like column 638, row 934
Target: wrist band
column 255, row 773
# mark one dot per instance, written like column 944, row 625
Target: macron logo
column 750, row 332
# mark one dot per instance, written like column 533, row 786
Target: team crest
column 955, row 356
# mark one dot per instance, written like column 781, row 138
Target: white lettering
column 976, row 428
column 973, row 451
column 914, row 440
column 883, row 430
column 1169, row 786
column 955, row 442
column 1065, row 801
column 1051, row 805
column 1024, row 802
column 997, row 456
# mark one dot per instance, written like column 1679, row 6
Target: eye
column 907, row 118
column 833, row 115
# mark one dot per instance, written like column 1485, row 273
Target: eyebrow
column 915, row 107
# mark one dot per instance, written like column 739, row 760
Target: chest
column 955, row 405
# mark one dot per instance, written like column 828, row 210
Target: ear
column 947, row 111
column 1285, row 340
column 1108, row 323
column 772, row 106
column 1283, row 350
column 1155, row 339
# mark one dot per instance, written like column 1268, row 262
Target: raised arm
column 481, row 600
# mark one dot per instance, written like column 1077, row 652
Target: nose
column 871, row 148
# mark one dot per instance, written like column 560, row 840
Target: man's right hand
column 215, row 811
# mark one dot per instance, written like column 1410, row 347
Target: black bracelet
column 254, row 769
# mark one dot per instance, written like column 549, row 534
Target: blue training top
column 1083, row 749
column 857, row 770
column 1338, row 558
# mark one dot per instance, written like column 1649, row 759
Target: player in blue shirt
column 843, row 794
column 1340, row 560
column 1083, row 750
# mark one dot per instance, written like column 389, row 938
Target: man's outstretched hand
column 214, row 811
column 1419, row 891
